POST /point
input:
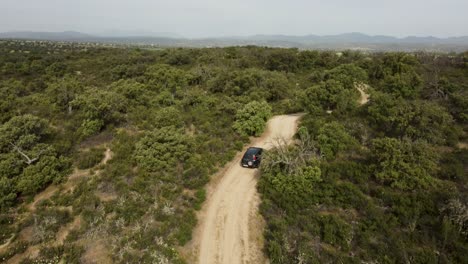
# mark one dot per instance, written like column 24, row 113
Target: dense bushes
column 292, row 191
column 252, row 118
column 254, row 83
column 404, row 164
column 391, row 182
column 332, row 138
column 27, row 163
column 383, row 182
column 162, row 149
column 99, row 108
column 413, row 119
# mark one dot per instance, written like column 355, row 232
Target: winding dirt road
column 231, row 229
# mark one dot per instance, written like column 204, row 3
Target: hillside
column 105, row 153
column 356, row 41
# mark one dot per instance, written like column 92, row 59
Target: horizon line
column 182, row 36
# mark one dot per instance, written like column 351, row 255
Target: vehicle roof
column 253, row 150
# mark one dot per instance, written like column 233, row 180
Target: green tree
column 404, row 164
column 7, row 192
column 63, row 91
column 136, row 92
column 162, row 149
column 11, row 92
column 24, row 132
column 168, row 116
column 307, row 59
column 56, row 69
column 396, row 74
column 165, row 77
column 251, row 119
column 49, row 169
column 296, row 190
column 282, row 60
column 406, row 85
column 257, row 84
column 330, row 95
column 459, row 106
column 413, row 119
column 332, row 138
column 99, row 108
column 347, row 74
column 27, row 163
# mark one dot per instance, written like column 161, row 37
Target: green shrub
column 187, row 223
column 200, row 196
column 292, row 191
column 252, row 118
column 404, row 164
column 91, row 127
column 333, row 138
column 336, row 231
column 196, row 174
column 6, row 228
column 162, row 149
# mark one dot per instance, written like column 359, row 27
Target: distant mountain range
column 66, row 35
column 337, row 42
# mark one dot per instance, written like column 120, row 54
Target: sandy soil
column 230, row 229
column 362, row 88
column 107, row 156
column 96, row 253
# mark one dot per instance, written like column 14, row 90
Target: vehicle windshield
column 251, row 151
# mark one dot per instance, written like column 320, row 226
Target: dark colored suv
column 252, row 157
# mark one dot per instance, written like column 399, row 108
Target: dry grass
column 96, row 252
column 31, row 252
column 65, row 230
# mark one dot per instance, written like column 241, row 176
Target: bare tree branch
column 28, row 160
column 291, row 158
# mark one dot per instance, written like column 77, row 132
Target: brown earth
column 362, row 88
column 96, row 253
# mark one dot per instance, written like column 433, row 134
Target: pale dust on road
column 228, row 231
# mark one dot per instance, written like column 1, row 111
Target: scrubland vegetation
column 383, row 182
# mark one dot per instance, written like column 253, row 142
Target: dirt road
column 230, row 229
column 362, row 88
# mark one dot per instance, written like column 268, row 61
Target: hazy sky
column 204, row 18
